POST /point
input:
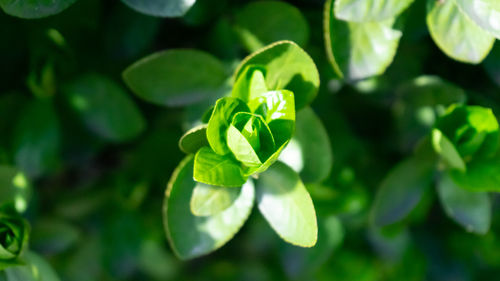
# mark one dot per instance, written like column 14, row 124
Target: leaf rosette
column 13, row 239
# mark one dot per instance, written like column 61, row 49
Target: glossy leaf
column 214, row 169
column 455, row 34
column 287, row 67
column 32, row 9
column 481, row 175
column 485, row 13
column 194, row 139
column 309, row 153
column 222, row 115
column 264, row 22
column 401, row 190
column 472, row 210
column 443, row 146
column 105, row 108
column 359, row 50
column 209, row 200
column 161, row 8
column 369, row 10
column 250, row 84
column 191, row 236
column 285, row 203
column 14, row 189
column 158, row 78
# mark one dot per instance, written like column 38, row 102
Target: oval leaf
column 359, row 50
column 194, row 139
column 287, row 67
column 161, row 8
column 214, row 169
column 472, row 210
column 485, row 13
column 191, row 236
column 285, row 203
column 264, row 22
column 32, row 9
column 455, row 34
column 105, row 107
column 369, row 10
column 159, row 79
column 443, row 146
column 208, row 200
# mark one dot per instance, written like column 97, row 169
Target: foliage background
column 96, row 201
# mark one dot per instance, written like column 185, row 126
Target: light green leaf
column 309, row 152
column 481, row 175
column 287, row 67
column 105, row 107
column 37, row 139
column 472, row 210
column 443, row 146
column 455, row 34
column 285, row 203
column 194, row 139
column 359, row 50
column 485, row 13
column 214, row 169
column 32, row 9
column 264, row 22
column 369, row 10
column 401, row 190
column 250, row 84
column 191, row 236
column 14, row 189
column 161, row 8
column 209, row 200
column 222, row 115
column 176, row 77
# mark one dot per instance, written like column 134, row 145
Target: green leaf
column 401, row 190
column 359, row 50
column 176, row 77
column 472, row 210
column 264, row 22
column 32, row 9
column 209, row 200
column 455, row 34
column 161, row 8
column 37, row 139
column 221, row 118
column 491, row 64
column 250, row 84
column 36, row 269
column 485, row 13
column 105, row 107
column 481, row 175
column 14, row 233
column 369, row 10
column 287, row 67
column 15, row 190
column 443, row 146
column 194, row 139
column 309, row 152
column 214, row 169
column 191, row 236
column 285, row 203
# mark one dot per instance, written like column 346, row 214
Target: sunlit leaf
column 369, row 10
column 161, row 8
column 485, row 13
column 214, row 169
column 194, row 139
column 209, row 200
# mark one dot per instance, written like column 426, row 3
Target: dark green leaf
column 161, row 8
column 481, row 175
column 194, row 139
column 209, row 200
column 32, row 9
column 214, row 169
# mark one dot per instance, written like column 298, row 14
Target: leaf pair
column 13, row 239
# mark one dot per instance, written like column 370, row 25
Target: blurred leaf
column 443, row 146
column 309, row 153
column 491, row 64
column 214, row 169
column 14, row 234
column 158, row 78
column 194, row 139
column 285, row 203
column 192, row 236
column 53, row 236
column 485, row 13
column 15, row 190
column 209, row 200
column 36, row 269
column 105, row 107
column 370, row 10
column 37, row 139
column 264, row 22
column 161, row 8
column 472, row 210
column 359, row 50
column 287, row 67
column 482, row 175
column 455, row 34
column 32, row 9
column 401, row 190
